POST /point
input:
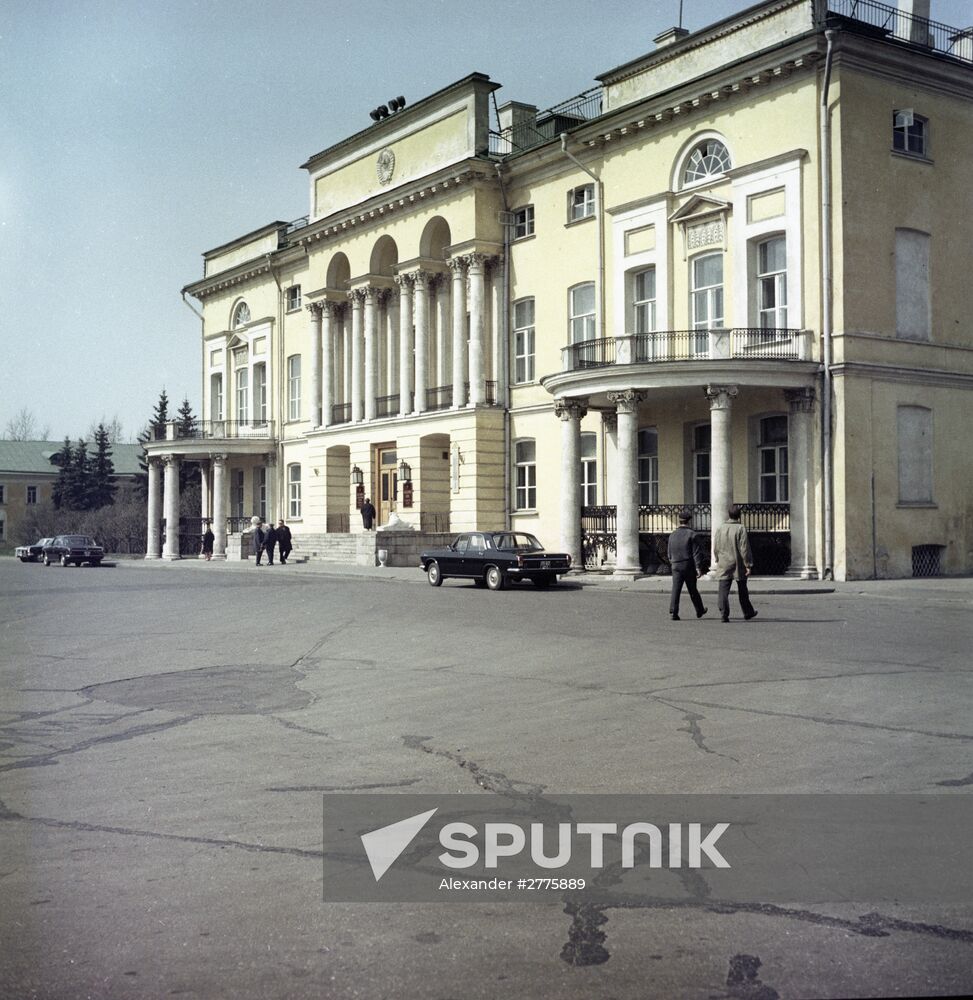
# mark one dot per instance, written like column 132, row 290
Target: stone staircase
column 343, row 549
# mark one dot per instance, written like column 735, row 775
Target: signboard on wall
column 407, row 494
column 359, row 496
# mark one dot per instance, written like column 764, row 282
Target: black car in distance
column 67, row 549
column 494, row 558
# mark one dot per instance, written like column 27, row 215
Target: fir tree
column 64, row 460
column 155, row 430
column 79, row 492
column 101, row 471
column 189, row 474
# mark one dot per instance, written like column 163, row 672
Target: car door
column 475, row 556
column 451, row 562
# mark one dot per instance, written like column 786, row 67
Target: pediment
column 699, row 207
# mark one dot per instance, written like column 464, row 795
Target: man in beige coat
column 731, row 546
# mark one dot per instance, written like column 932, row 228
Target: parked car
column 31, row 553
column 76, row 549
column 494, row 558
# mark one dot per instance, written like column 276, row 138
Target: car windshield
column 77, row 540
column 517, row 541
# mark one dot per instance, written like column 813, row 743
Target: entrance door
column 388, row 476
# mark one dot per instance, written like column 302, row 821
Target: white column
column 721, row 456
column 800, row 482
column 444, row 331
column 328, row 363
column 458, row 265
column 477, row 328
column 371, row 350
column 204, row 489
column 153, row 548
column 627, row 483
column 357, row 360
column 404, row 281
column 170, row 503
column 314, row 380
column 392, row 343
column 271, row 467
column 219, row 506
column 497, row 326
column 345, row 355
column 421, row 281
column 570, row 412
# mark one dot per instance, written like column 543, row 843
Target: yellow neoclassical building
column 730, row 272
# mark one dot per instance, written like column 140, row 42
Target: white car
column 31, row 553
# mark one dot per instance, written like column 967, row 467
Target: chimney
column 912, row 22
column 670, row 36
column 517, row 122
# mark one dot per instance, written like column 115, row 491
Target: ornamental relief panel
column 705, row 234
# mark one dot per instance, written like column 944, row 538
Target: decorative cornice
column 721, row 396
column 900, row 373
column 626, row 401
column 570, row 409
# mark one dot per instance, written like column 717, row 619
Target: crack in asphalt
column 692, row 720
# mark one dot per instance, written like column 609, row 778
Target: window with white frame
column 581, row 313
column 772, row 284
column 589, row 469
column 701, row 464
column 913, row 316
column 293, row 298
column 910, row 133
column 242, row 376
column 581, row 202
column 31, row 494
column 294, row 490
column 915, row 447
column 525, row 493
column 237, row 496
column 260, row 393
column 648, row 465
column 643, row 300
column 241, row 315
column 707, row 298
column 708, row 159
column 524, row 340
column 294, row 387
column 216, row 396
column 772, row 460
column 523, row 222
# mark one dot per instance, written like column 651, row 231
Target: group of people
column 265, row 538
column 734, row 561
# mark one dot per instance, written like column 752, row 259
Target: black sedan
column 67, row 549
column 492, row 558
column 31, row 553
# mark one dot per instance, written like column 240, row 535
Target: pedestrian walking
column 283, row 541
column 257, row 538
column 686, row 560
column 734, row 560
column 367, row 514
column 208, row 539
column 270, row 540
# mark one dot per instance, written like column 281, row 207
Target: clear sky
column 135, row 134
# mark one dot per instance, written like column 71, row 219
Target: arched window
column 241, row 315
column 710, row 158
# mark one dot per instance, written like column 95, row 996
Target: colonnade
column 426, row 339
column 623, row 423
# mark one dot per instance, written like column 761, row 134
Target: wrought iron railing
column 208, row 429
column 387, row 406
column 546, row 125
column 661, row 518
column 341, row 413
column 237, row 525
column 591, row 354
column 439, row 398
column 891, row 22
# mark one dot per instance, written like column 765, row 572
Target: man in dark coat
column 367, row 514
column 257, row 539
column 270, row 540
column 208, row 539
column 686, row 559
column 283, row 541
column 731, row 546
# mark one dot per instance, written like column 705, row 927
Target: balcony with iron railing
column 546, row 125
column 737, row 344
column 223, row 430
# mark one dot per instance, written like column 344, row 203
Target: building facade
column 729, row 272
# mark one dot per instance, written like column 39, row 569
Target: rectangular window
column 707, row 299
column 523, row 222
column 913, row 316
column 643, row 301
column 3, row 529
column 216, row 396
column 581, row 313
column 909, row 133
column 648, row 459
column 237, row 499
column 3, row 494
column 581, row 202
column 294, row 490
column 589, row 470
column 260, row 394
column 524, row 340
column 772, row 284
column 915, row 442
column 701, row 449
column 772, row 458
column 261, row 492
column 243, row 395
column 293, row 298
column 294, row 387
column 526, row 476
column 31, row 494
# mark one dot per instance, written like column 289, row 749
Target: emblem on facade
column 385, row 165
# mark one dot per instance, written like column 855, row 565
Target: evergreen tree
column 64, row 460
column 101, row 471
column 152, row 432
column 79, row 494
column 189, row 473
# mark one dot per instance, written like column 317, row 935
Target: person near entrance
column 257, row 538
column 283, row 541
column 208, row 539
column 686, row 560
column 731, row 546
column 367, row 514
column 270, row 540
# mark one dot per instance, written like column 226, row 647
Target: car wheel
column 47, row 560
column 434, row 574
column 65, row 561
column 23, row 558
column 494, row 578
